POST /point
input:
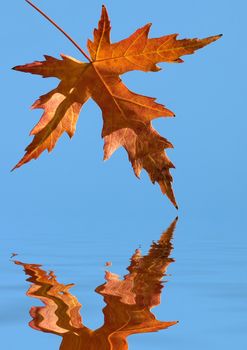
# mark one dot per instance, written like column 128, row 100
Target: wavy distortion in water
column 128, row 301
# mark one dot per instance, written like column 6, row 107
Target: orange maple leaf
column 127, row 116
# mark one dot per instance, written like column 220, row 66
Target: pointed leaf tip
column 104, row 11
column 218, row 36
column 15, row 167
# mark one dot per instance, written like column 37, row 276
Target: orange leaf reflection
column 128, row 301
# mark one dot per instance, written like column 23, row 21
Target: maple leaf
column 127, row 116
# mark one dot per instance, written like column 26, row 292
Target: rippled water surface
column 73, row 301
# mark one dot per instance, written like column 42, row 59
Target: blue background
column 71, row 211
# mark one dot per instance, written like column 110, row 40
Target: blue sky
column 69, row 203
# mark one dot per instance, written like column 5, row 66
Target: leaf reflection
column 128, row 301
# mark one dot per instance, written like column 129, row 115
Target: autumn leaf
column 127, row 116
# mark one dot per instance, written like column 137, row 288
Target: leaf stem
column 61, row 30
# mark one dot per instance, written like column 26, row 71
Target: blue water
column 205, row 287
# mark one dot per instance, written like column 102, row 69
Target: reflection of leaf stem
column 61, row 30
